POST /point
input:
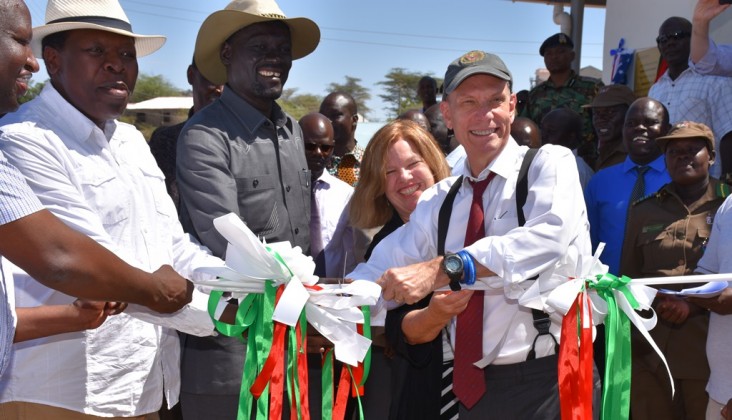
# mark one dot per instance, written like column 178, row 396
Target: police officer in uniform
column 564, row 89
column 666, row 236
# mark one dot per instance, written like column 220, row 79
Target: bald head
column 318, row 139
column 646, row 120
column 416, row 116
column 525, row 132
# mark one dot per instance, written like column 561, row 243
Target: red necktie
column 468, row 380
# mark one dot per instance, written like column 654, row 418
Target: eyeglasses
column 662, row 39
column 324, row 148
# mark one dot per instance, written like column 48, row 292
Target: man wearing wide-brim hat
column 98, row 176
column 241, row 154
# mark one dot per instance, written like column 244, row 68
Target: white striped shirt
column 16, row 200
column 698, row 98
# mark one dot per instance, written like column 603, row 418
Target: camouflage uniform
column 664, row 237
column 577, row 91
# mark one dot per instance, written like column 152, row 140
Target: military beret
column 554, row 40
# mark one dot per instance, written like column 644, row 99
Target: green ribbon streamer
column 366, row 310
column 326, row 385
column 254, row 316
column 616, row 390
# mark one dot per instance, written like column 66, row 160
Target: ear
column 573, row 54
column 355, row 121
column 52, row 58
column 512, row 106
column 225, row 54
column 189, row 74
column 446, row 116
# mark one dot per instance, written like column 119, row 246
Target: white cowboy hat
column 238, row 14
column 102, row 15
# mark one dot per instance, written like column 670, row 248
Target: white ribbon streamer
column 331, row 309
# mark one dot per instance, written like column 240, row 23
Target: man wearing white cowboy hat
column 98, row 176
column 241, row 154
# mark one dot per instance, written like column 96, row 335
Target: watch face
column 453, row 264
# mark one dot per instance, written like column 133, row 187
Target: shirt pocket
column 155, row 181
column 700, row 240
column 652, row 246
column 257, row 196
column 106, row 195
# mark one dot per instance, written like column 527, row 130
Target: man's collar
column 250, row 115
column 75, row 124
column 504, row 164
column 658, row 164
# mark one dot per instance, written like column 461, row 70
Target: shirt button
column 297, row 230
column 255, row 183
column 287, row 188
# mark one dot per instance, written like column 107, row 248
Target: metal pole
column 577, row 13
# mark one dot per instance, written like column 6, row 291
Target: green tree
column 298, row 105
column 34, row 89
column 400, row 89
column 354, row 88
column 149, row 87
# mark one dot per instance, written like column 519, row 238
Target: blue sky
column 366, row 39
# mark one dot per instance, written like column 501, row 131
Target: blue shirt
column 607, row 196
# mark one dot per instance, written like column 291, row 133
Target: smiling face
column 608, row 123
column 95, row 71
column 644, row 122
column 18, row 61
column 258, row 59
column 688, row 161
column 407, row 176
column 480, row 111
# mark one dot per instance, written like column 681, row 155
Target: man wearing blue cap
column 500, row 370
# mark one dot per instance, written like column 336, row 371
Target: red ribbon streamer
column 575, row 362
column 273, row 370
column 339, row 407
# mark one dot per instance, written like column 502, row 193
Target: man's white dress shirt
column 333, row 197
column 554, row 238
column 106, row 185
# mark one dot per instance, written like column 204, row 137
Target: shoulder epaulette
column 722, row 190
column 645, row 198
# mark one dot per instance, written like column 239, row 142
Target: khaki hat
column 687, row 130
column 612, row 95
column 238, row 14
column 471, row 63
column 554, row 40
column 101, row 15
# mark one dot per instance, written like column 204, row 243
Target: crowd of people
column 462, row 211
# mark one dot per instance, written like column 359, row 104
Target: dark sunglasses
column 662, row 39
column 311, row 147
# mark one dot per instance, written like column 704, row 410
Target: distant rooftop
column 593, row 3
column 164, row 102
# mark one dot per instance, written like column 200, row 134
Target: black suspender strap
column 443, row 220
column 541, row 318
column 522, row 185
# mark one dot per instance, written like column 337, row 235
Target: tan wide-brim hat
column 101, row 15
column 238, row 14
column 687, row 130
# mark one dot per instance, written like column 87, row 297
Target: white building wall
column 638, row 21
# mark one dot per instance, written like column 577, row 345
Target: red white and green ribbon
column 277, row 296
